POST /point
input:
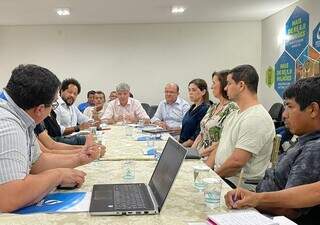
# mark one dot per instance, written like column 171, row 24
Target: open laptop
column 140, row 198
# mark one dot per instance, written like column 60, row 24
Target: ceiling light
column 63, row 11
column 177, row 10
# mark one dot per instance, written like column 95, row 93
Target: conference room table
column 184, row 203
column 121, row 146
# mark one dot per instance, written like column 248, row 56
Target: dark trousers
column 71, row 140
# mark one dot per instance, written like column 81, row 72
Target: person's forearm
column 195, row 143
column 65, row 152
column 234, row 163
column 63, row 146
column 229, row 168
column 296, row 197
column 211, row 159
column 188, row 143
column 19, row 193
column 70, row 130
column 51, row 161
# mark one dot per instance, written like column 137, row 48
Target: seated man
column 68, row 115
column 300, row 164
column 112, row 96
column 26, row 174
column 171, row 111
column 124, row 109
column 302, row 196
column 247, row 136
column 95, row 112
column 46, row 140
column 90, row 102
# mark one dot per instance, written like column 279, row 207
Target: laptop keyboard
column 131, row 197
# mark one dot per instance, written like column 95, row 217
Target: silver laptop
column 140, row 198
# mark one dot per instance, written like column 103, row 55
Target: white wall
column 144, row 55
column 273, row 46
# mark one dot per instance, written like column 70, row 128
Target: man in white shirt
column 124, row 109
column 95, row 112
column 170, row 111
column 68, row 115
column 247, row 136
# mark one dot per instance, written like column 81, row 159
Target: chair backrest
column 152, row 110
column 273, row 159
column 276, row 111
column 146, row 107
column 275, row 150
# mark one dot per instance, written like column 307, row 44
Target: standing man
column 26, row 174
column 68, row 115
column 124, row 108
column 171, row 111
column 247, row 137
column 90, row 102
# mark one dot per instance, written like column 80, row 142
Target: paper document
column 241, row 217
column 282, row 220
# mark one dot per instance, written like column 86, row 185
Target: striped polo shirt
column 19, row 148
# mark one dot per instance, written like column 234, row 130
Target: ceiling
column 36, row 12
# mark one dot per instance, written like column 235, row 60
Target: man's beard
column 66, row 101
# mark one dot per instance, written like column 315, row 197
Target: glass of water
column 128, row 170
column 128, row 130
column 212, row 192
column 200, row 172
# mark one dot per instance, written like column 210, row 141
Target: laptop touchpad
column 104, row 195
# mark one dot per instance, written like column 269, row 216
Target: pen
column 238, row 185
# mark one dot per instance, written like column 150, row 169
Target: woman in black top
column 199, row 96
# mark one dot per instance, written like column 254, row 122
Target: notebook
column 240, row 217
column 140, row 198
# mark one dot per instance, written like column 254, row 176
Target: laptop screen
column 166, row 170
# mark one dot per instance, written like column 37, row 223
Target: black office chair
column 275, row 112
column 152, row 110
column 146, row 107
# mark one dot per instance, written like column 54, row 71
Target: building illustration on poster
column 307, row 64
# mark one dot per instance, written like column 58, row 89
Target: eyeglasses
column 55, row 105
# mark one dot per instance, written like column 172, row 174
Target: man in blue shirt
column 300, row 164
column 2, row 95
column 171, row 111
column 90, row 102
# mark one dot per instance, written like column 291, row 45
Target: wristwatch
column 76, row 128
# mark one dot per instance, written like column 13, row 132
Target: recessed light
column 63, row 11
column 177, row 9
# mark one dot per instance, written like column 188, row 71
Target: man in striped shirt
column 26, row 174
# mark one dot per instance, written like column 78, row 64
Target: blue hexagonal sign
column 284, row 73
column 316, row 37
column 297, row 32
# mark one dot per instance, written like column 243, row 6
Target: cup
column 141, row 123
column 150, row 141
column 157, row 154
column 212, row 192
column 93, row 130
column 128, row 170
column 129, row 130
column 200, row 172
column 99, row 136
